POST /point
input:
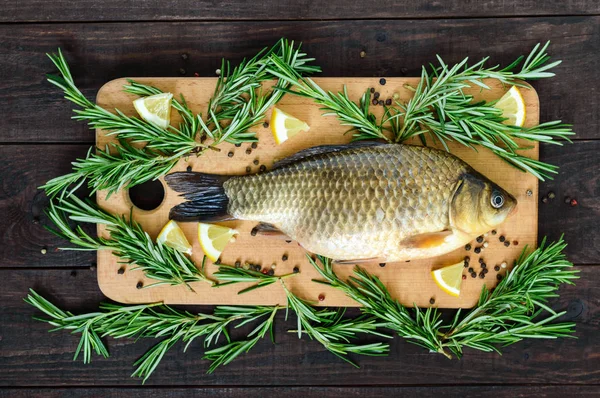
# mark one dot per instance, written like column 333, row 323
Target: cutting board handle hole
column 147, row 196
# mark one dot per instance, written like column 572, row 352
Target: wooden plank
column 234, row 10
column 33, row 357
column 308, row 392
column 409, row 282
column 24, row 240
column 579, row 179
column 34, row 111
column 21, row 240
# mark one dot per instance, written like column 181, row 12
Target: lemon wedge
column 155, row 109
column 214, row 238
column 449, row 278
column 513, row 107
column 171, row 235
column 284, row 125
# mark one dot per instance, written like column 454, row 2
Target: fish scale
column 356, row 203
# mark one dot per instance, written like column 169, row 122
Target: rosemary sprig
column 515, row 310
column 223, row 355
column 127, row 240
column 348, row 112
column 154, row 321
column 440, row 108
column 227, row 275
column 239, row 105
column 332, row 331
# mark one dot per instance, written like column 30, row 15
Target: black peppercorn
column 483, row 265
column 382, row 265
column 501, row 238
column 284, row 257
column 262, row 168
column 467, row 259
column 296, row 270
column 372, row 90
column 376, row 95
column 477, row 250
column 467, row 247
column 254, row 231
column 485, row 270
column 374, row 102
column 506, row 243
column 382, row 81
column 255, row 161
column 254, row 145
column 248, row 151
column 482, row 274
column 257, row 267
column 139, row 285
column 499, row 277
column 494, row 232
column 230, row 154
column 480, row 260
column 237, row 264
column 239, row 144
column 121, row 271
column 432, row 301
column 466, row 264
column 388, row 101
column 496, row 268
column 473, row 275
column 471, row 270
column 266, row 124
column 380, row 102
column 217, row 261
column 480, row 239
column 188, row 169
column 248, row 169
column 271, row 272
column 515, row 242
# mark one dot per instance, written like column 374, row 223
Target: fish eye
column 497, row 200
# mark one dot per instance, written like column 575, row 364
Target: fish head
column 479, row 205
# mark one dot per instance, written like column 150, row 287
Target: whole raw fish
column 363, row 201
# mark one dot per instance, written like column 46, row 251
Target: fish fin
column 319, row 150
column 205, row 197
column 427, row 240
column 361, row 261
column 266, row 229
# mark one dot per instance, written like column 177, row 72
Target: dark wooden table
column 104, row 40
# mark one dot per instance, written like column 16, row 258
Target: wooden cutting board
column 409, row 282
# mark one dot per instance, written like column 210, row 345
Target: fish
column 360, row 202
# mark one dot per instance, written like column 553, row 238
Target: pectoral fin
column 426, row 241
column 270, row 230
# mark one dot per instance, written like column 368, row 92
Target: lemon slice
column 449, row 278
column 171, row 235
column 214, row 238
column 155, row 109
column 513, row 107
column 284, row 125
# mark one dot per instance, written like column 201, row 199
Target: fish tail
column 205, row 196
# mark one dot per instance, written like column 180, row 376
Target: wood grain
column 22, row 171
column 33, row 357
column 34, row 111
column 410, row 283
column 233, row 10
column 310, row 392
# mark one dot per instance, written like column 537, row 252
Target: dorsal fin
column 319, row 150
